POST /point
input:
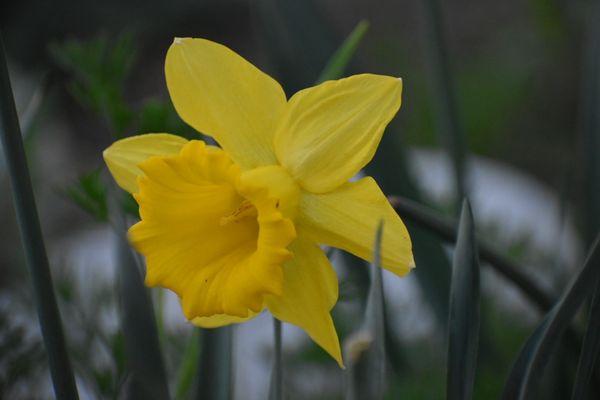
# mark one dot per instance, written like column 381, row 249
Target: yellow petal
column 221, row 94
column 219, row 320
column 310, row 290
column 330, row 131
column 198, row 239
column 348, row 217
column 123, row 156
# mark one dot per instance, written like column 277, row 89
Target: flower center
column 212, row 233
column 245, row 210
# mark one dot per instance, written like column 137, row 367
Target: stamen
column 245, row 210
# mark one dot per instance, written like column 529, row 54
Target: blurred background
column 500, row 103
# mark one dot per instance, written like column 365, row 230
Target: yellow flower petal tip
column 236, row 229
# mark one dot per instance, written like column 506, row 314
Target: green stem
column 33, row 241
column 277, row 376
column 215, row 369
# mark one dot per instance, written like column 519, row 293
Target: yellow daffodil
column 236, row 230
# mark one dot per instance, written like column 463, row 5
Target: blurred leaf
column 341, row 58
column 89, row 193
column 463, row 321
column 130, row 206
column 551, row 17
column 21, row 355
column 529, row 366
column 99, row 68
column 449, row 125
column 147, row 378
column 589, row 351
column 300, row 43
column 160, row 116
column 365, row 349
column 590, row 118
column 117, row 343
column 189, row 367
column 215, row 371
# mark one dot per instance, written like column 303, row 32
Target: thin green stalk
column 341, row 58
column 33, row 241
column 276, row 390
column 188, row 367
column 449, row 127
column 215, row 370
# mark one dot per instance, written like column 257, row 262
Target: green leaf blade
column 529, row 367
column 365, row 349
column 339, row 61
column 589, row 351
column 464, row 318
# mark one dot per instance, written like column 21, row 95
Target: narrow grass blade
column 365, row 350
column 449, row 127
column 341, row 58
column 463, row 321
column 189, row 367
column 538, row 348
column 446, row 229
column 33, row 241
column 214, row 373
column 589, row 351
column 276, row 389
column 147, row 379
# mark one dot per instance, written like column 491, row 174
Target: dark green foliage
column 447, row 114
column 89, row 193
column 99, row 68
column 463, row 321
column 590, row 350
column 590, row 117
column 20, row 358
column 529, row 367
column 160, row 116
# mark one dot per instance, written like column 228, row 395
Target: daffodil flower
column 237, row 229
